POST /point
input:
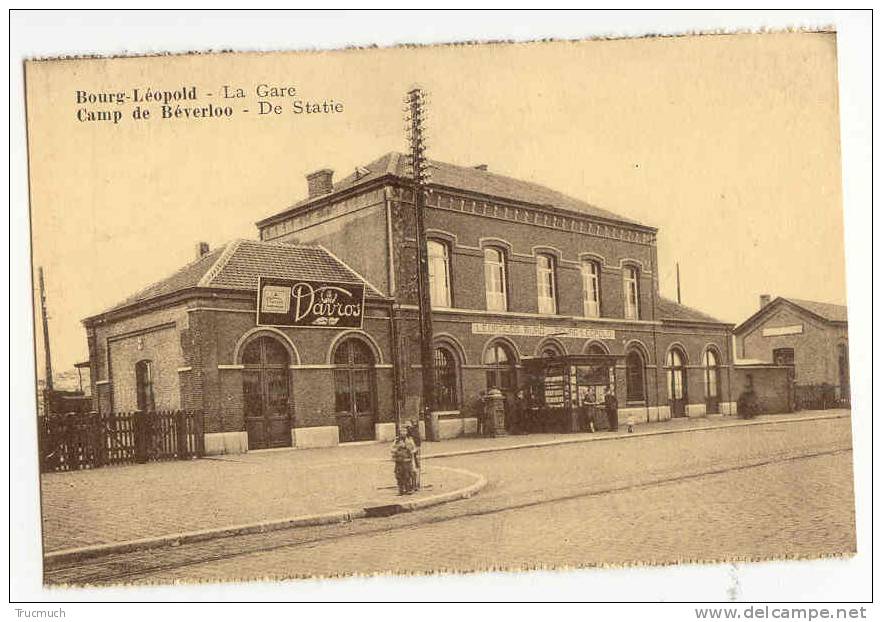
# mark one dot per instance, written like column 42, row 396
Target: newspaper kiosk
column 564, row 393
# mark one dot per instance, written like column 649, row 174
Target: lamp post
column 415, row 102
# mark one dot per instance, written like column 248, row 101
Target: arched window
column 144, row 385
column 439, row 274
column 265, row 392
column 635, row 376
column 446, row 379
column 546, row 284
column 676, row 375
column 711, row 374
column 495, row 279
column 550, row 350
column 631, row 285
column 355, row 394
column 500, row 367
column 590, row 288
column 595, row 348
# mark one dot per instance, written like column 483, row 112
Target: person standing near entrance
column 612, row 409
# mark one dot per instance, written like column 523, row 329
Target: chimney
column 202, row 249
column 481, row 167
column 765, row 299
column 320, row 182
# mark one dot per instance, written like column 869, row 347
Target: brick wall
column 770, row 385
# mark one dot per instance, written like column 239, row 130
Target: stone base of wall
column 663, row 413
column 696, row 410
column 456, row 427
column 729, row 408
column 319, row 436
column 384, row 432
column 220, row 443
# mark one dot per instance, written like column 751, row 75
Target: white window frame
column 439, row 293
column 547, row 303
column 495, row 269
column 711, row 374
column 631, row 288
column 590, row 288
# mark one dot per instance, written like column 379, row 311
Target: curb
column 60, row 557
column 597, row 439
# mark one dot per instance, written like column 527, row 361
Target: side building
column 810, row 338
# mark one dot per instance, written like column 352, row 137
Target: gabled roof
column 669, row 310
column 469, row 179
column 238, row 264
column 824, row 311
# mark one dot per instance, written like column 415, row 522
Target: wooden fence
column 819, row 397
column 89, row 440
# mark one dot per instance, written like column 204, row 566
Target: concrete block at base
column 384, row 432
column 640, row 413
column 664, row 413
column 450, row 428
column 470, row 426
column 729, row 408
column 319, row 436
column 696, row 410
column 220, row 443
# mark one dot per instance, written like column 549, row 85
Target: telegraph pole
column 416, row 116
column 45, row 332
column 679, row 301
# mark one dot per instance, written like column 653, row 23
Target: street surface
column 782, row 490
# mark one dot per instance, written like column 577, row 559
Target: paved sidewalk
column 116, row 504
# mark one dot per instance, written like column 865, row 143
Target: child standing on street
column 402, row 455
column 632, row 421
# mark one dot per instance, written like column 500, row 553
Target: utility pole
column 45, row 332
column 415, row 116
column 679, row 300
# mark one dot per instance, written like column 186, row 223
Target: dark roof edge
column 184, row 295
column 324, row 200
column 780, row 299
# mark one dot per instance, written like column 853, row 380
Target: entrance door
column 677, row 394
column 355, row 391
column 844, row 386
column 266, row 391
column 711, row 382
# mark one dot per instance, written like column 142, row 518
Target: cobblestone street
column 750, row 492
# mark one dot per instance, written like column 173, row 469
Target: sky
column 729, row 144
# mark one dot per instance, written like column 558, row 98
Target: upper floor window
column 545, row 284
column 494, row 279
column 590, row 288
column 631, row 283
column 439, row 273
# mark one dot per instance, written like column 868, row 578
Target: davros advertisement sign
column 309, row 304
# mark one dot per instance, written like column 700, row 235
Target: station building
column 520, row 274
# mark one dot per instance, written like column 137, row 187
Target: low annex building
column 519, row 275
column 811, row 338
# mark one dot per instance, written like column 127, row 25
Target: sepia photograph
column 425, row 310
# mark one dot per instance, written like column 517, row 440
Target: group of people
column 406, row 456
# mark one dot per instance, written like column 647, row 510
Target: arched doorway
column 499, row 364
column 844, row 383
column 711, row 382
column 446, row 379
column 355, row 392
column 677, row 389
column 266, row 391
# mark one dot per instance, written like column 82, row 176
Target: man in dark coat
column 612, row 409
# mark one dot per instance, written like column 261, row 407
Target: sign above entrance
column 533, row 330
column 309, row 304
column 774, row 331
